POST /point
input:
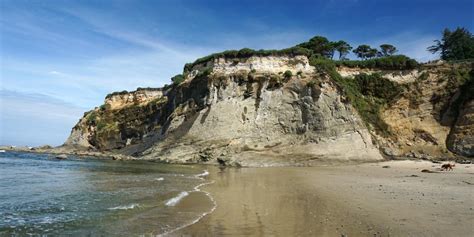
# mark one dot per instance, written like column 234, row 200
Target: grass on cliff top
column 396, row 62
column 368, row 94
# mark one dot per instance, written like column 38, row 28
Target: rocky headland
column 277, row 108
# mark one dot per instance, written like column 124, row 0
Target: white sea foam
column 125, row 207
column 196, row 189
column 203, row 174
column 175, row 200
column 160, row 179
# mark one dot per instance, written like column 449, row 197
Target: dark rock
column 61, row 157
column 427, row 171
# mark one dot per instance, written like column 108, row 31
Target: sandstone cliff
column 281, row 110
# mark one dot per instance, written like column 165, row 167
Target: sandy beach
column 392, row 198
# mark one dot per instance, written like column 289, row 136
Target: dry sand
column 349, row 200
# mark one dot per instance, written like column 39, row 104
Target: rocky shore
column 65, row 152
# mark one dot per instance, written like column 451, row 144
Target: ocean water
column 43, row 196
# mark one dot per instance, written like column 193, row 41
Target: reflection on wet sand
column 354, row 200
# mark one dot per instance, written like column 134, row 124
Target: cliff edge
column 288, row 109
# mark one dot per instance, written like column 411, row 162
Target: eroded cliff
column 283, row 110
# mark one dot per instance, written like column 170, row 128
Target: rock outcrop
column 262, row 117
column 278, row 110
column 423, row 117
column 461, row 138
column 125, row 120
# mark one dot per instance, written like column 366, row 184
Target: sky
column 61, row 58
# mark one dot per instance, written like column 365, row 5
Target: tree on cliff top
column 454, row 45
column 387, row 50
column 319, row 45
column 343, row 48
column 364, row 51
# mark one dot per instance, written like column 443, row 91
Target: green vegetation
column 343, row 48
column 91, row 118
column 455, row 45
column 103, row 127
column 322, row 64
column 274, row 81
column 320, row 46
column 204, row 73
column 387, row 50
column 365, row 51
column 288, row 74
column 375, row 85
column 415, row 95
column 177, row 79
column 464, row 80
column 397, row 62
column 368, row 94
column 116, row 93
column 366, row 100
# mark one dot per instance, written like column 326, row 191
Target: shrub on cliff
column 368, row 94
column 288, row 74
column 322, row 64
column 397, row 62
column 376, row 86
column 177, row 79
column 91, row 118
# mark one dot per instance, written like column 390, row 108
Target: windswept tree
column 331, row 49
column 373, row 53
column 343, row 48
column 319, row 45
column 387, row 50
column 455, row 45
column 362, row 51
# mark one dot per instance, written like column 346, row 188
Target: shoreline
column 368, row 199
column 271, row 164
column 345, row 199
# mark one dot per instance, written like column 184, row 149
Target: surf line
column 195, row 189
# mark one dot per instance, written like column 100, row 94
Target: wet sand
column 348, row 200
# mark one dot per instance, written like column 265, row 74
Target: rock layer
column 275, row 110
column 461, row 138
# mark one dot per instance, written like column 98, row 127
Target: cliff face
column 424, row 116
column 126, row 119
column 272, row 110
column 252, row 113
column 461, row 137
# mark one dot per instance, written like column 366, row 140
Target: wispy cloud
column 35, row 119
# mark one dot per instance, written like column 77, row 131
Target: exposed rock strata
column 461, row 138
column 252, row 111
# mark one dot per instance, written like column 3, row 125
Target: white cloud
column 35, row 119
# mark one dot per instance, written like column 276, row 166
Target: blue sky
column 60, row 58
